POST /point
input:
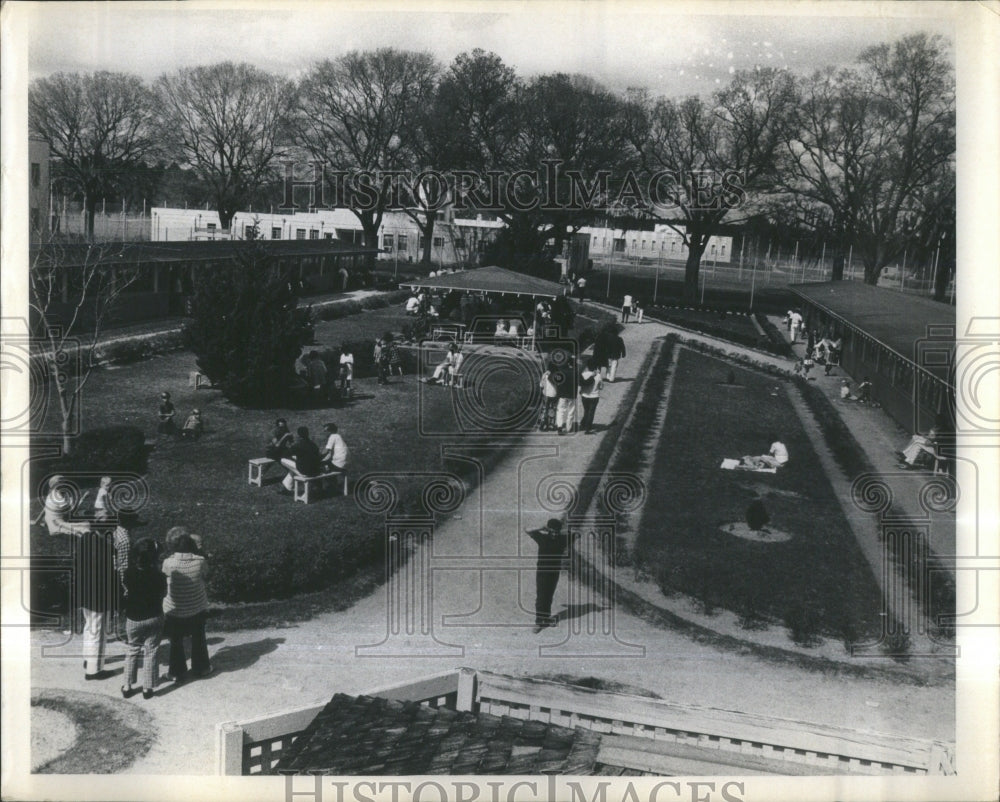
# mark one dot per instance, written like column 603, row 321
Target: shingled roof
column 358, row 735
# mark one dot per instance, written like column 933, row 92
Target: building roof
column 899, row 320
column 491, row 279
column 355, row 735
column 131, row 253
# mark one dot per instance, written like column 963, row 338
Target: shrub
column 134, row 349
column 108, row 450
column 246, row 331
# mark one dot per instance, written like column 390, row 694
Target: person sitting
column 918, row 450
column 845, row 391
column 303, row 459
column 832, row 356
column 514, row 329
column 443, row 370
column 412, row 305
column 281, row 440
column 58, row 507
column 865, row 391
column 166, row 415
column 775, row 458
column 500, row 335
column 193, row 426
column 335, row 452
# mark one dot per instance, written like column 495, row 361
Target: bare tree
column 98, row 127
column 872, row 143
column 225, row 120
column 72, row 291
column 356, row 115
column 715, row 157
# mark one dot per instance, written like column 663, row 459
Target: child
column 637, row 310
column 346, row 370
column 101, row 511
column 192, row 426
column 166, row 415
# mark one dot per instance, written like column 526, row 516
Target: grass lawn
column 262, row 545
column 816, row 583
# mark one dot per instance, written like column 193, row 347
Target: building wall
column 39, row 176
column 662, row 242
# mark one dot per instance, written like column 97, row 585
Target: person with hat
column 166, row 415
column 335, row 452
column 552, row 546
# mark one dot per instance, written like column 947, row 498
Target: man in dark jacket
column 96, row 587
column 563, row 376
column 552, row 546
column 304, row 459
column 616, row 352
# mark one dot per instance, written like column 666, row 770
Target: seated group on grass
column 864, row 395
column 193, row 424
column 922, row 451
column 302, row 457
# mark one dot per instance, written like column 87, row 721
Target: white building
column 662, row 242
column 455, row 240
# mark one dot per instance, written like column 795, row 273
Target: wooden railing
column 641, row 734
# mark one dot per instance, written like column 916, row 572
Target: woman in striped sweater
column 185, row 606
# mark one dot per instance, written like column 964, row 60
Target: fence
column 110, row 224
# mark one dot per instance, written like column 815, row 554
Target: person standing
column 551, row 549
column 346, row 370
column 317, row 375
column 96, row 588
column 166, row 414
column 590, row 393
column 795, row 319
column 121, row 542
column 563, row 375
column 184, row 608
column 581, row 288
column 145, row 588
column 626, row 308
column 616, row 352
column 102, row 511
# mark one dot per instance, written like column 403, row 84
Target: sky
column 621, row 44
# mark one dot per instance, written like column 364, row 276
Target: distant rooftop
column 490, row 279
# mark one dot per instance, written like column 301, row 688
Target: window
column 722, row 250
column 210, row 226
column 275, row 232
column 328, row 235
column 438, row 242
column 401, row 242
column 313, row 234
column 36, row 174
column 300, row 233
column 388, row 241
column 249, row 231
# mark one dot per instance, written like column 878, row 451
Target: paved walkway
column 482, row 598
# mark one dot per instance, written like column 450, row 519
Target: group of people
column 449, row 368
column 560, row 384
column 864, row 394
column 631, row 307
column 135, row 591
column 322, row 385
column 193, row 426
column 300, row 454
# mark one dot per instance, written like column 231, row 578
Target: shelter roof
column 490, row 279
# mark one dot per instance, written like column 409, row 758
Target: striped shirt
column 186, row 575
column 122, row 543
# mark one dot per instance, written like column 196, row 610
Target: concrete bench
column 256, row 469
column 198, row 380
column 301, row 484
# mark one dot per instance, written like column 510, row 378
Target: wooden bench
column 256, row 468
column 301, row 484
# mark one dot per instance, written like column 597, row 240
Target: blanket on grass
column 746, row 465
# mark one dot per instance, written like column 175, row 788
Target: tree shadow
column 244, row 655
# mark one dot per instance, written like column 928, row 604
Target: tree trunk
column 90, row 202
column 225, row 216
column 872, row 271
column 696, row 247
column 427, row 232
column 941, row 281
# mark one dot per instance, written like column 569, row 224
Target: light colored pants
column 95, row 627
column 612, row 369
column 566, row 413
column 289, row 463
column 143, row 639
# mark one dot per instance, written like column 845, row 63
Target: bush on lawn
column 108, row 450
column 132, row 350
column 246, row 330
